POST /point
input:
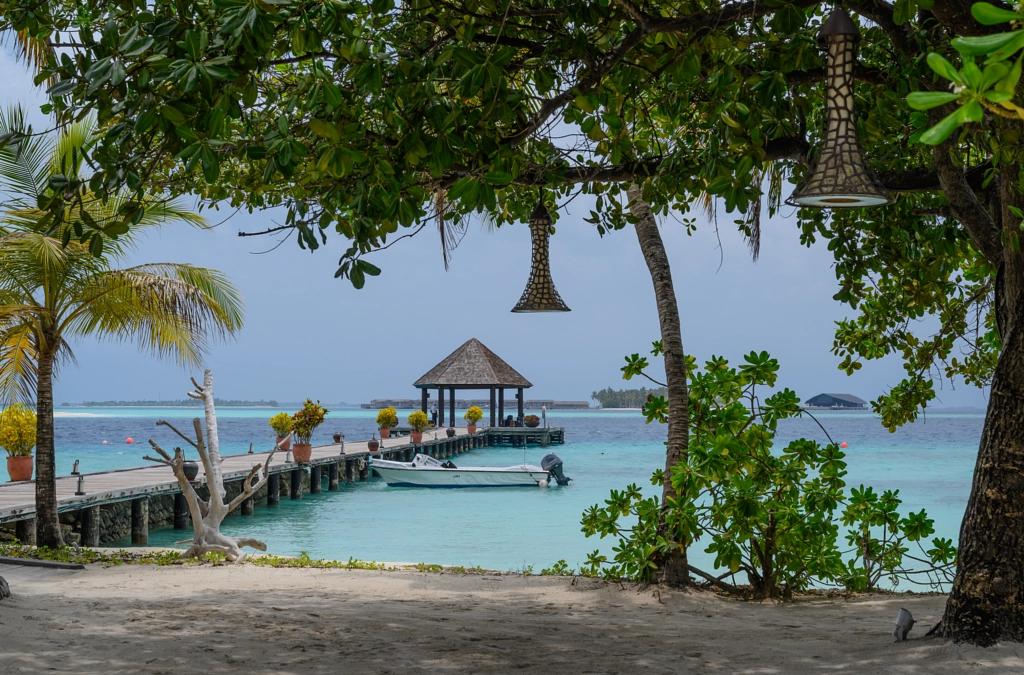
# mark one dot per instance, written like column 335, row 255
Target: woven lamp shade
column 540, row 294
column 840, row 179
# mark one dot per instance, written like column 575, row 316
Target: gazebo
column 473, row 366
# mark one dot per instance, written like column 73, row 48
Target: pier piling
column 25, row 531
column 350, row 471
column 315, row 480
column 181, row 514
column 295, row 489
column 274, row 489
column 140, row 521
column 91, row 526
column 364, row 470
column 332, row 476
column 248, row 508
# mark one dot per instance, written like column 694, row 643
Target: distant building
column 836, row 401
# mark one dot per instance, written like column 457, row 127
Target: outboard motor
column 553, row 465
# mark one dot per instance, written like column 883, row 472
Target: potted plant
column 419, row 423
column 304, row 423
column 472, row 416
column 18, row 437
column 386, row 418
column 531, row 421
column 281, row 423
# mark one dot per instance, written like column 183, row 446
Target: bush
column 771, row 514
column 281, row 423
column 419, row 421
column 387, row 418
column 18, row 430
column 306, row 420
column 474, row 414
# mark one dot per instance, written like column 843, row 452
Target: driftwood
column 207, row 515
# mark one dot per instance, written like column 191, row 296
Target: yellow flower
column 18, row 430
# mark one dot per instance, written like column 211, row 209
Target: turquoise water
column 930, row 462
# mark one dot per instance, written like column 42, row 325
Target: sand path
column 245, row 619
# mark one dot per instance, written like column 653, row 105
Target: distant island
column 181, row 403
column 626, row 398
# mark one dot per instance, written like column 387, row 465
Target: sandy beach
column 248, row 619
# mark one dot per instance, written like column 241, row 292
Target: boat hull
column 399, row 474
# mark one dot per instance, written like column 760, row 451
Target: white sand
column 246, row 619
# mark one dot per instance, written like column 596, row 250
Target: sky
column 307, row 334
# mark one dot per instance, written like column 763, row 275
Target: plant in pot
column 304, row 423
column 472, row 416
column 419, row 423
column 531, row 421
column 386, row 418
column 281, row 423
column 18, row 437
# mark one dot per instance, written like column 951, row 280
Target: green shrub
column 771, row 514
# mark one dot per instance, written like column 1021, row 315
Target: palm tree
column 53, row 291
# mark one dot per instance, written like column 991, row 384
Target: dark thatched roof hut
column 473, row 366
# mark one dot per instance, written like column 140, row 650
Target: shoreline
column 244, row 618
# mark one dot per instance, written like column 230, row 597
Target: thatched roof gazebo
column 473, row 366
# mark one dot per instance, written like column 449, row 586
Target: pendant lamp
column 840, row 178
column 540, row 294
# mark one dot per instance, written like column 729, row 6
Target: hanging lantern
column 840, row 179
column 540, row 294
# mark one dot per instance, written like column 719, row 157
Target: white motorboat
column 425, row 471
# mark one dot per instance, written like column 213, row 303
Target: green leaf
column 990, row 15
column 1009, row 83
column 324, row 130
column 944, row 68
column 96, row 245
column 943, row 129
column 926, row 100
column 63, row 87
column 498, row 178
column 985, row 44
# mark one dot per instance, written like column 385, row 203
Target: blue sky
column 307, row 334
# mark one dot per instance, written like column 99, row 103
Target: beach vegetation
column 769, row 514
column 474, row 414
column 282, row 424
column 18, row 430
column 559, row 569
column 306, row 420
column 387, row 418
column 427, row 567
column 419, row 421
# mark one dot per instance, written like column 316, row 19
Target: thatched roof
column 472, row 366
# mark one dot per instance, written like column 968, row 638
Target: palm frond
column 18, row 356
column 24, row 163
column 67, row 156
column 169, row 309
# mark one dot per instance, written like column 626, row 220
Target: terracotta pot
column 385, row 432
column 417, row 436
column 20, row 468
column 373, row 444
column 302, row 452
column 532, row 423
column 285, row 445
column 471, row 428
column 190, row 469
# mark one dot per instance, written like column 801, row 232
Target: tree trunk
column 673, row 570
column 986, row 604
column 47, row 523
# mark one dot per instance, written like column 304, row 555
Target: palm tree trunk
column 47, row 523
column 673, row 570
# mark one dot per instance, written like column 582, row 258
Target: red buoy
column 841, row 445
column 130, row 440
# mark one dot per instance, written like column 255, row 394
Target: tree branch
column 171, row 427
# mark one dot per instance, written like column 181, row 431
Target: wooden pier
column 150, row 495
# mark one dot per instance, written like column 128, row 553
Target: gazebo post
column 452, row 420
column 494, row 406
column 424, row 397
column 521, row 403
column 501, row 406
column 440, row 407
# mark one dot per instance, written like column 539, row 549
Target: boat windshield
column 425, row 460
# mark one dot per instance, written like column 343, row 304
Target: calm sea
column 929, row 462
